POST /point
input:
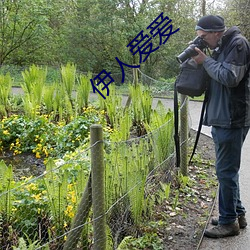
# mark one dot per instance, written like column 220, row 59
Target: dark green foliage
column 91, row 34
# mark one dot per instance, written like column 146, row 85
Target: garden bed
column 179, row 221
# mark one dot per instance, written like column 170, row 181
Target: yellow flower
column 14, row 209
column 69, row 211
column 73, row 199
column 45, row 151
column 6, row 132
column 31, row 187
column 38, row 156
column 17, row 152
column 37, row 196
column 103, row 112
column 71, row 194
column 26, row 178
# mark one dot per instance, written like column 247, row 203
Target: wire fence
column 147, row 80
column 48, row 204
column 56, row 210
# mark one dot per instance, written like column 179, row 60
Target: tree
column 21, row 21
column 237, row 12
column 92, row 33
column 101, row 31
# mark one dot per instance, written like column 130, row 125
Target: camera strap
column 176, row 127
column 199, row 127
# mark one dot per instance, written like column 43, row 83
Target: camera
column 190, row 51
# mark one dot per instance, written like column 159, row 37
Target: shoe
column 221, row 231
column 241, row 219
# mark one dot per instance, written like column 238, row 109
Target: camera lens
column 190, row 51
column 187, row 53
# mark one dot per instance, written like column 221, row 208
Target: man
column 228, row 112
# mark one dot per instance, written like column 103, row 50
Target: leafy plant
column 5, row 90
column 56, row 187
column 147, row 241
column 43, row 137
column 141, row 104
column 184, row 181
column 30, row 208
column 161, row 126
column 59, row 101
column 126, row 173
column 22, row 245
column 6, row 204
column 83, row 91
column 23, row 134
column 68, row 74
column 165, row 190
column 48, row 98
column 113, row 107
column 34, row 81
column 121, row 131
column 176, row 199
column 6, row 184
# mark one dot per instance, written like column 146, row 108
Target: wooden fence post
column 184, row 135
column 80, row 218
column 135, row 76
column 98, row 195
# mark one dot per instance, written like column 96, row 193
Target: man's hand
column 200, row 58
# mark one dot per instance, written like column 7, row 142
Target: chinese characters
column 142, row 44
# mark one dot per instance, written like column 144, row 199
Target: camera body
column 190, row 51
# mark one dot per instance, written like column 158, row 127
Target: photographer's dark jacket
column 228, row 103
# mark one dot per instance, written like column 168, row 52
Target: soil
column 25, row 164
column 186, row 223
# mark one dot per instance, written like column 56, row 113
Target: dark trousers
column 228, row 145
